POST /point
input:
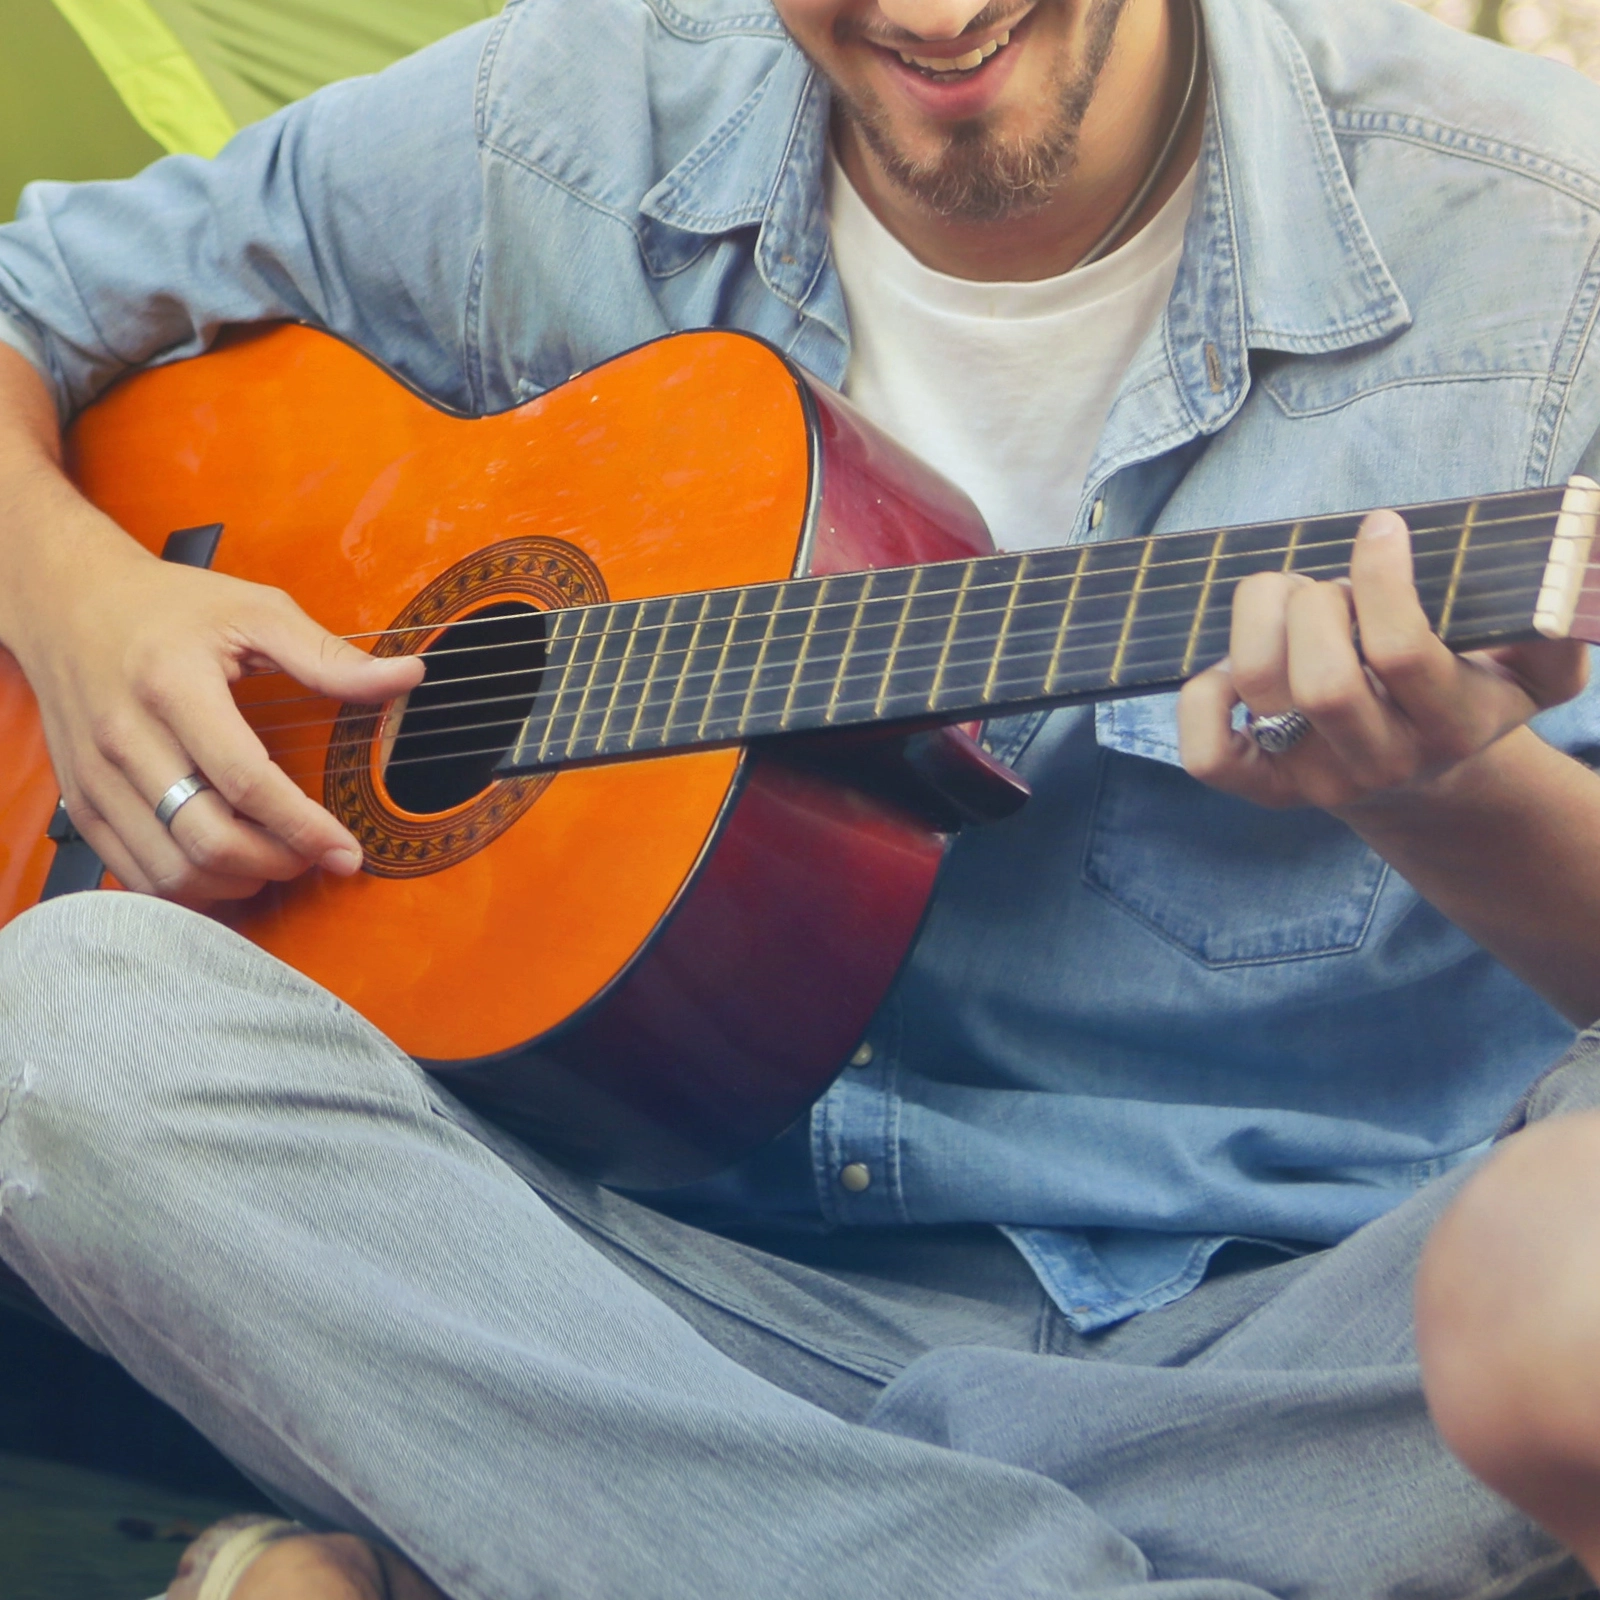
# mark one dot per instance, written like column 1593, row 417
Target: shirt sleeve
column 358, row 210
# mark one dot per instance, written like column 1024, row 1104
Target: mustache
column 994, row 17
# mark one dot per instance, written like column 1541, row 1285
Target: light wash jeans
column 401, row 1322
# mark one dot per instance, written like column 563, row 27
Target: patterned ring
column 1278, row 733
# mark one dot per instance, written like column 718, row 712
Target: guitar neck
column 954, row 641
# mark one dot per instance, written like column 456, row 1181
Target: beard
column 979, row 175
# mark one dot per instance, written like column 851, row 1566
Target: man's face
column 981, row 122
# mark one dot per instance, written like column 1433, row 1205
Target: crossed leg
column 219, row 1174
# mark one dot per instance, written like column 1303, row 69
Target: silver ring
column 177, row 797
column 1277, row 733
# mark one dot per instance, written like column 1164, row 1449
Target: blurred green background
column 100, row 88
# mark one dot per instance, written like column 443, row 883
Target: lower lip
column 962, row 99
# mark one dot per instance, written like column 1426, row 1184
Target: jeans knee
column 89, row 985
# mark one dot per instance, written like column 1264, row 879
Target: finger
column 1417, row 669
column 1258, row 641
column 227, row 752
column 140, row 853
column 188, row 722
column 1330, row 684
column 1207, row 740
column 322, row 661
column 1217, row 753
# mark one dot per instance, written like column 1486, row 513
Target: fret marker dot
column 856, row 1178
column 863, row 1056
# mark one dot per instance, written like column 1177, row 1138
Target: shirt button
column 856, row 1177
column 863, row 1056
column 1097, row 513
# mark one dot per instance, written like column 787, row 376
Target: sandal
column 214, row 1563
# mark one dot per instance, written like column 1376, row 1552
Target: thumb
column 324, row 662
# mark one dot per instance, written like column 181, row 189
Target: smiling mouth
column 952, row 69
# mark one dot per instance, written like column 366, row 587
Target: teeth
column 943, row 64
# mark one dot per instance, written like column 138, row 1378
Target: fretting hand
column 1387, row 718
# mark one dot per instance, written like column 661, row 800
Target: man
column 1210, row 1067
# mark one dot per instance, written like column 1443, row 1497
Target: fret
column 861, row 683
column 575, row 662
column 658, row 649
column 943, row 663
column 970, row 659
column 684, row 686
column 1053, row 671
column 1291, row 545
column 729, row 640
column 851, row 637
column 616, row 631
column 897, row 642
column 666, row 691
column 816, row 677
column 1165, row 625
column 818, row 600
column 1013, row 592
column 753, row 685
column 1131, row 611
column 794, row 620
column 620, row 683
column 1021, row 655
column 1197, row 627
column 924, row 632
column 1449, row 606
column 1099, row 615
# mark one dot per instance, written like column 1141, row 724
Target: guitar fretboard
column 984, row 637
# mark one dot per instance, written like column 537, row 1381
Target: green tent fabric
column 99, row 88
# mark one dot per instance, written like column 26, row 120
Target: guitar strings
column 1018, row 609
column 842, row 708
column 499, row 748
column 1023, row 556
column 1016, row 586
column 962, row 653
column 966, row 653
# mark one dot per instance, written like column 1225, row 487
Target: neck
column 998, row 634
column 1139, row 94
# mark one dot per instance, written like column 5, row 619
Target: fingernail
column 1380, row 525
column 343, row 860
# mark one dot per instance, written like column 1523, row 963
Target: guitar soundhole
column 484, row 672
column 416, row 785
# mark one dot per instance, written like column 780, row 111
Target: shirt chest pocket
column 1225, row 881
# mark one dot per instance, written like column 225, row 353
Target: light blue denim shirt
column 1143, row 1018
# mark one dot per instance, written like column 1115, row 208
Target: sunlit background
column 1565, row 30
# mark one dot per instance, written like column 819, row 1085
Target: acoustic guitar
column 647, row 847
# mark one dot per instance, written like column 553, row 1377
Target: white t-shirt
column 1004, row 387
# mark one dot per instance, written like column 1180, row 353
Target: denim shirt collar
column 1277, row 257
column 762, row 168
